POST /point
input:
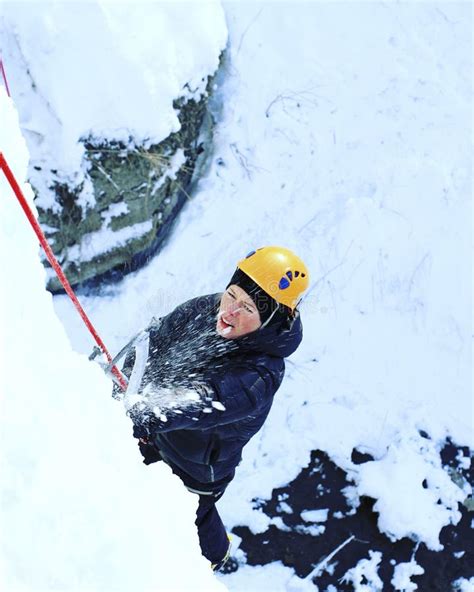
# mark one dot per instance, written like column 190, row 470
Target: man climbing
column 206, row 375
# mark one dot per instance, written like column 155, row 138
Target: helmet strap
column 269, row 319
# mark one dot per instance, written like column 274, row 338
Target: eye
column 248, row 309
column 231, row 294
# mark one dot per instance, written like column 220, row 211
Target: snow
column 313, row 530
column 278, row 522
column 464, row 462
column 464, row 585
column 175, row 163
column 114, row 211
column 350, row 143
column 315, row 515
column 103, row 70
column 97, row 243
column 284, row 507
column 364, row 576
column 402, row 576
column 414, row 494
column 274, row 577
column 79, row 511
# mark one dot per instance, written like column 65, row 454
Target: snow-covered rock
column 113, row 104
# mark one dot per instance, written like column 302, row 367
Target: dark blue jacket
column 204, row 443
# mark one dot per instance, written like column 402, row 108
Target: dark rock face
column 138, row 194
column 320, row 485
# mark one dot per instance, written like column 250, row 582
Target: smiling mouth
column 225, row 323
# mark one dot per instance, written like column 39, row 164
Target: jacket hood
column 280, row 340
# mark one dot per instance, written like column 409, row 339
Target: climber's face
column 238, row 314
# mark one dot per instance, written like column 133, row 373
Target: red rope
column 4, row 77
column 54, row 263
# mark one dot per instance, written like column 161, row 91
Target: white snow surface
column 350, row 143
column 79, row 511
column 274, row 577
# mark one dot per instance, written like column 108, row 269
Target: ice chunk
column 315, row 515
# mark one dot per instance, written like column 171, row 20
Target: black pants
column 212, row 534
column 211, row 531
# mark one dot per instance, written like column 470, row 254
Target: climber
column 213, row 366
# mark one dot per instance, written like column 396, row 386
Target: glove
column 149, row 451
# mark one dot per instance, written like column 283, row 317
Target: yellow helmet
column 279, row 272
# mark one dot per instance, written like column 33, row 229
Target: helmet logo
column 285, row 281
